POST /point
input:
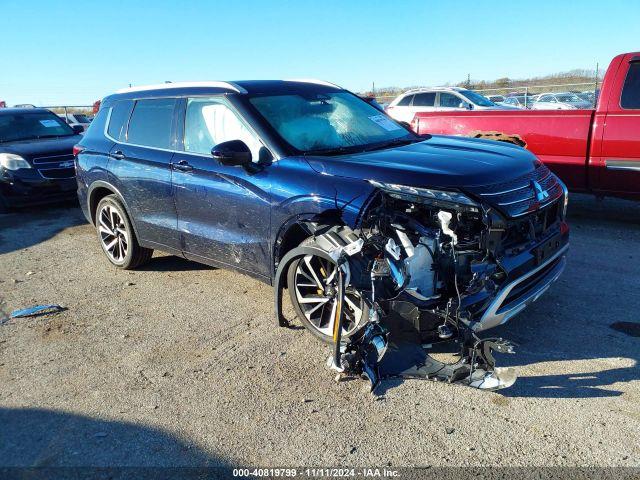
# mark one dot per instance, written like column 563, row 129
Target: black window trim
column 633, row 61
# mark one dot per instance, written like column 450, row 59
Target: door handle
column 118, row 155
column 182, row 166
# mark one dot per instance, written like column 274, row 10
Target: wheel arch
column 100, row 189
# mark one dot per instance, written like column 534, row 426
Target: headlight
column 11, row 161
column 441, row 198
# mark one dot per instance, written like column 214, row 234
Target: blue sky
column 76, row 52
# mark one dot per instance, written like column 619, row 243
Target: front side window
column 32, row 125
column 151, row 122
column 334, row 121
column 424, row 100
column 450, row 101
column 631, row 90
column 209, row 122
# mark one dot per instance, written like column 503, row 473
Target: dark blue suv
column 445, row 231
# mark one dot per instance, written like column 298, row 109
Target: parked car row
column 36, row 157
column 591, row 150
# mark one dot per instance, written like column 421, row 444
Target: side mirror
column 469, row 106
column 232, row 153
column 77, row 129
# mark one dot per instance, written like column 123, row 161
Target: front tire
column 312, row 283
column 116, row 236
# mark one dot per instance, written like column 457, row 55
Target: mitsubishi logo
column 541, row 194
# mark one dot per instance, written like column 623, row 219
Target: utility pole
column 468, row 80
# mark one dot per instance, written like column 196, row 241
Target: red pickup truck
column 596, row 151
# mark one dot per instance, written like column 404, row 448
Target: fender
column 108, row 186
column 323, row 212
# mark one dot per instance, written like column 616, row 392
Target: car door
column 223, row 211
column 620, row 145
column 448, row 102
column 140, row 167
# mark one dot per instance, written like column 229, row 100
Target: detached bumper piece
column 385, row 353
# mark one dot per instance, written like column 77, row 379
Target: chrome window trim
column 622, row 164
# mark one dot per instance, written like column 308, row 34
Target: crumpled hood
column 440, row 161
column 29, row 149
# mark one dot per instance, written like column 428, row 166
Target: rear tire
column 117, row 237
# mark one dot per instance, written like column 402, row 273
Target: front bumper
column 521, row 292
column 27, row 187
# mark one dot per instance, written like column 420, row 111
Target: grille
column 55, row 167
column 52, row 159
column 518, row 197
column 57, row 173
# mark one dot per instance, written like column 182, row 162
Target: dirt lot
column 180, row 364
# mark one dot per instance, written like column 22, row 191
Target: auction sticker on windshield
column 385, row 123
column 49, row 123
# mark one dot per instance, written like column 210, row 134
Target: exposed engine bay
column 427, row 273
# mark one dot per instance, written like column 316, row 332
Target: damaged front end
column 432, row 267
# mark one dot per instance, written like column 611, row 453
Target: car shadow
column 47, row 444
column 44, row 221
column 172, row 263
column 580, row 339
column 585, row 327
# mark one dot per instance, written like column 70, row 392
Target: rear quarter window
column 151, row 123
column 120, row 113
column 405, row 101
column 630, row 97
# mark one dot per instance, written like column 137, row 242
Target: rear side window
column 631, row 90
column 405, row 101
column 118, row 121
column 151, row 123
column 424, row 100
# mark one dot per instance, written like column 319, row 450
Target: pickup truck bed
column 595, row 151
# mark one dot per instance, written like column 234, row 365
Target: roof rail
column 431, row 89
column 164, row 86
column 313, row 80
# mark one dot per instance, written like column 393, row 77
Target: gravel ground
column 180, row 364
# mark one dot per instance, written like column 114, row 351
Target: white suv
column 437, row 99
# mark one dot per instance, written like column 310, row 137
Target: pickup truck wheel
column 312, row 284
column 117, row 238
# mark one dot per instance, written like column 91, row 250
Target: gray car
column 560, row 101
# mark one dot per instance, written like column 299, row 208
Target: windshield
column 82, row 118
column 478, row 99
column 32, row 125
column 568, row 97
column 326, row 122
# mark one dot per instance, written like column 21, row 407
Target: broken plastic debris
column 36, row 311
